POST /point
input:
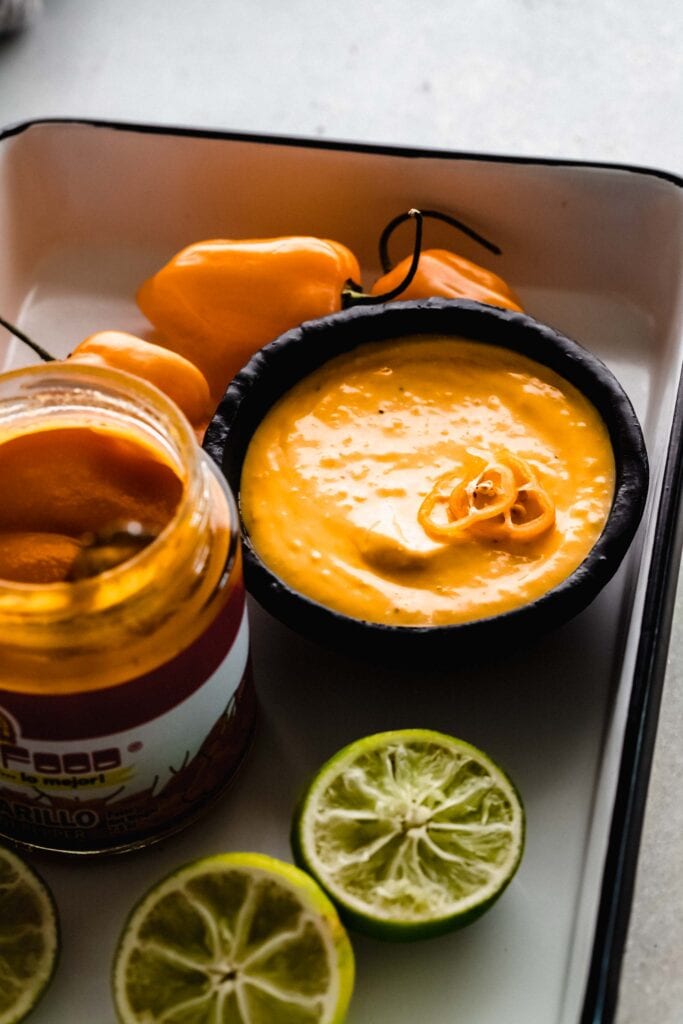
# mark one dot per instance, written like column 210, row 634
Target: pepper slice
column 468, row 500
column 502, row 501
column 531, row 513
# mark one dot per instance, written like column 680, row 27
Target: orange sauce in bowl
column 427, row 481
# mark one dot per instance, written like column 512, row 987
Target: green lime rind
column 240, row 938
column 411, row 833
column 29, row 938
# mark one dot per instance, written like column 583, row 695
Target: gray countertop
column 600, row 81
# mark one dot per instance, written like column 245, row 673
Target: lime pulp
column 29, row 938
column 412, row 833
column 236, row 938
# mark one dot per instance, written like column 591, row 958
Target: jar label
column 133, row 761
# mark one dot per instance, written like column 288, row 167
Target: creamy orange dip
column 371, row 486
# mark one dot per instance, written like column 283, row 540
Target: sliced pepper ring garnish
column 532, row 513
column 469, row 501
column 504, row 501
column 489, row 494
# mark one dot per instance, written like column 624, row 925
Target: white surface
column 600, row 79
column 596, row 80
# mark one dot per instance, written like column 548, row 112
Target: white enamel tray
column 87, row 211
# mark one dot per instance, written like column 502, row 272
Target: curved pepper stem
column 353, row 297
column 38, row 349
column 433, row 215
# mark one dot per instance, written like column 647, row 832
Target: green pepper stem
column 433, row 215
column 351, row 297
column 38, row 349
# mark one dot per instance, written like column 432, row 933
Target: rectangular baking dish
column 87, row 211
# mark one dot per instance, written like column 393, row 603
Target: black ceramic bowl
column 281, row 364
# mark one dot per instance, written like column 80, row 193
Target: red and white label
column 107, row 769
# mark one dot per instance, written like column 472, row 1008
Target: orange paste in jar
column 62, row 484
column 427, row 481
column 126, row 698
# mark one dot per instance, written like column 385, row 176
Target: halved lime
column 29, row 938
column 237, row 938
column 412, row 833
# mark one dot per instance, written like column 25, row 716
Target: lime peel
column 412, row 833
column 240, row 937
column 29, row 938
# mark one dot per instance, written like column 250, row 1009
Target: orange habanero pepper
column 443, row 273
column 176, row 376
column 217, row 302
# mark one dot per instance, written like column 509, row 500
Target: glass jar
column 126, row 699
